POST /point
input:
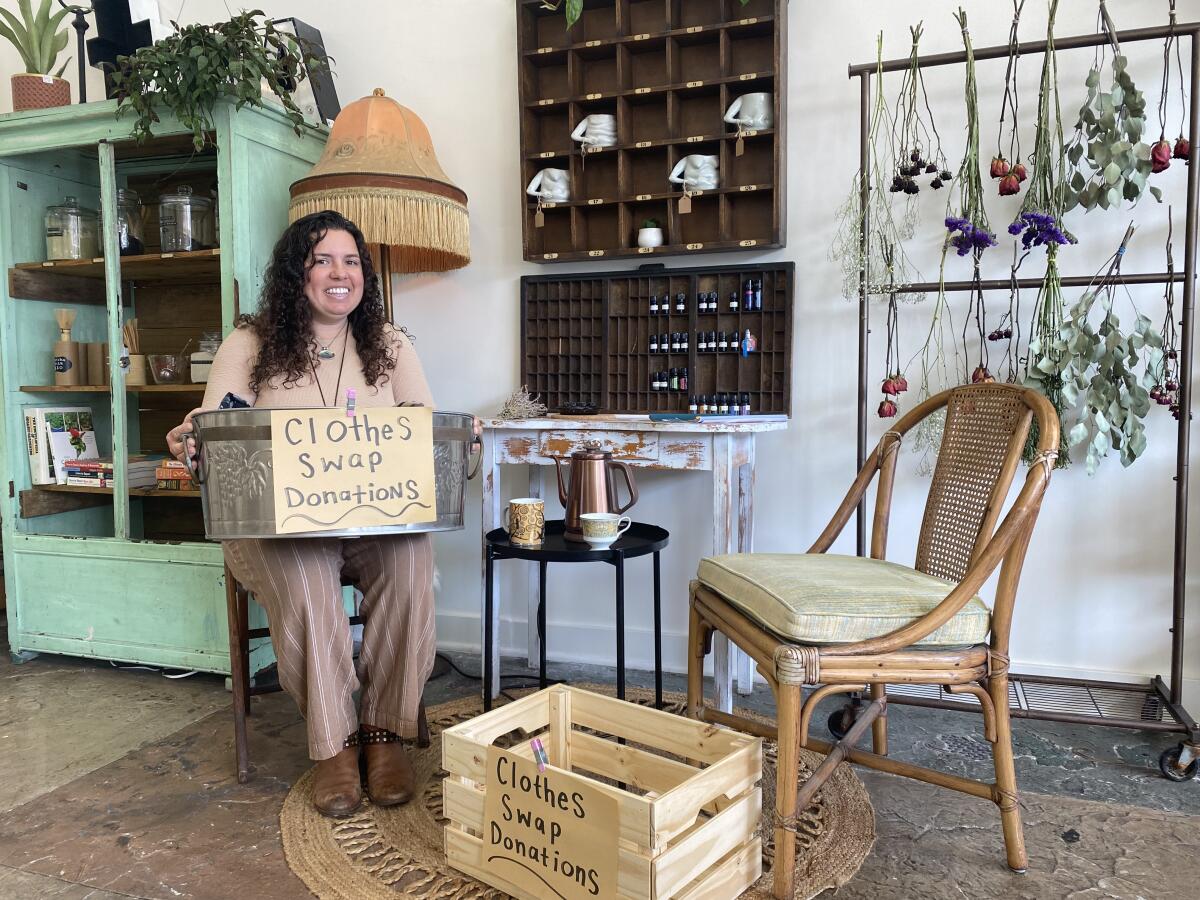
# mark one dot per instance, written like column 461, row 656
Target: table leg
column 745, row 540
column 658, row 701
column 490, row 519
column 488, row 599
column 723, row 485
column 531, row 641
column 619, row 563
column 541, row 625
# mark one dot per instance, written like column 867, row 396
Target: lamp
column 379, row 170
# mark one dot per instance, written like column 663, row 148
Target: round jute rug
column 383, row 854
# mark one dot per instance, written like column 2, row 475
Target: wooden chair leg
column 787, row 710
column 695, row 671
column 879, row 729
column 422, row 726
column 243, row 599
column 238, row 676
column 1006, row 777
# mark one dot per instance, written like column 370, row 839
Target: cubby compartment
column 738, row 11
column 648, row 119
column 647, row 64
column 698, row 112
column 598, row 22
column 647, row 170
column 548, row 78
column 648, row 16
column 756, row 165
column 544, row 27
column 549, row 131
column 752, row 50
column 696, row 57
column 555, row 234
column 596, row 71
column 703, row 224
column 750, row 215
column 597, row 177
column 692, row 13
column 658, row 210
column 597, row 227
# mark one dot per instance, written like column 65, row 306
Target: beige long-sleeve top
column 235, row 360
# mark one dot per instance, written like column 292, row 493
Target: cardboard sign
column 552, row 833
column 334, row 471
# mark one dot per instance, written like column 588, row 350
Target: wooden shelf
column 147, row 267
column 667, row 72
column 133, row 492
column 104, row 389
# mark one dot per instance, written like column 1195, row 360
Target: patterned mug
column 601, row 529
column 525, row 519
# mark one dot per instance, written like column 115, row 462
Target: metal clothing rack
column 1156, row 705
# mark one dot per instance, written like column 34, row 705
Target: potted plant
column 39, row 42
column 190, row 70
column 650, row 234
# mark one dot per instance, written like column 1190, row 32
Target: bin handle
column 476, row 446
column 193, row 465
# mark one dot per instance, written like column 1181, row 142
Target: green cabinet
column 121, row 572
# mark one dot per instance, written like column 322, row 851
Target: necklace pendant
column 325, row 353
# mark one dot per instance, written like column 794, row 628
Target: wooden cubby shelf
column 585, row 338
column 104, row 388
column 667, row 70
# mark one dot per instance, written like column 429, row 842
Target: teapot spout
column 562, row 487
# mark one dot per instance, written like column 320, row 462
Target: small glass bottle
column 674, row 380
column 745, row 404
column 748, row 295
column 683, row 342
column 722, row 405
column 674, row 341
column 654, row 381
column 734, row 305
column 683, row 380
column 654, row 343
column 654, row 304
column 703, row 404
column 758, row 295
column 722, row 342
column 702, row 302
column 681, row 303
column 693, row 406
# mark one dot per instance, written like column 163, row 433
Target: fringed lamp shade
column 379, row 170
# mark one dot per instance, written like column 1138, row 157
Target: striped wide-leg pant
column 299, row 583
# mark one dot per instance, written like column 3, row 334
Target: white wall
column 1096, row 592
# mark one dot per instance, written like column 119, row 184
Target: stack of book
column 172, row 475
column 99, row 472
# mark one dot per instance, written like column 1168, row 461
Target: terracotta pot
column 35, row 92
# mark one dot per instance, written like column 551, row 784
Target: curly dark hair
column 283, row 321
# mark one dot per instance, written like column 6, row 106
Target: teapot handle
column 633, row 494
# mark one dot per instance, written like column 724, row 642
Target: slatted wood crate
column 688, row 796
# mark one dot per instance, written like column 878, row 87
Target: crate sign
column 335, row 471
column 551, row 834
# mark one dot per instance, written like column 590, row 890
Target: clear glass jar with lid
column 130, row 216
column 185, row 221
column 201, row 360
column 72, row 231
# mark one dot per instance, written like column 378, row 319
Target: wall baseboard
column 594, row 644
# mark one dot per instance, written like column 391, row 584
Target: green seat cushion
column 819, row 598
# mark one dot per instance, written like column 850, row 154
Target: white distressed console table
column 725, row 448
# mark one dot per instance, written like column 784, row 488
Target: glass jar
column 201, row 360
column 72, row 231
column 129, row 223
column 185, row 221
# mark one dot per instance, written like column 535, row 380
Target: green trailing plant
column 1113, row 163
column 189, row 71
column 650, row 223
column 36, row 36
column 1106, row 373
column 574, row 8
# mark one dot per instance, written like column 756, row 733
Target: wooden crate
column 688, row 801
column 668, row 70
column 585, row 337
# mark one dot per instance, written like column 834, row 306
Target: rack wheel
column 841, row 720
column 1171, row 767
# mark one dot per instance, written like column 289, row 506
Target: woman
column 319, row 332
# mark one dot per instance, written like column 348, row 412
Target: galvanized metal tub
column 234, row 471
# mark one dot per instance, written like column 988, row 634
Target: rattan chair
column 851, row 624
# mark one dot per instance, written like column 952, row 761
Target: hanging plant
column 1165, row 390
column 917, row 142
column 1113, row 163
column 1164, row 151
column 968, row 231
column 1010, row 175
column 893, row 220
column 894, row 383
column 1098, row 368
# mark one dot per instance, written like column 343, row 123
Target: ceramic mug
column 525, row 520
column 752, row 111
column 552, row 185
column 596, row 130
column 601, row 529
column 696, row 172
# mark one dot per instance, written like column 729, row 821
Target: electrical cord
column 163, row 672
column 529, row 680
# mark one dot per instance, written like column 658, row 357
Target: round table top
column 639, row 540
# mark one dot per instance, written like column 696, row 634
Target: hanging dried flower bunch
column 894, row 384
column 1011, row 176
column 917, row 142
column 1165, row 390
column 1113, row 162
column 1163, row 151
column 893, row 221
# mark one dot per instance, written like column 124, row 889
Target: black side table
column 639, row 540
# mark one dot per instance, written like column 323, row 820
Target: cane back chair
column 851, row 624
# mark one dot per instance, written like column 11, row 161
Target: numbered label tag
column 642, row 197
column 695, row 29
column 550, row 205
column 641, row 145
column 747, row 243
column 749, row 76
column 592, row 96
column 595, row 202
column 748, row 187
column 592, row 44
column 547, row 154
column 695, row 246
column 545, row 50
column 545, row 102
column 749, row 21
column 641, row 37
column 645, row 249
column 695, row 139
column 692, row 84
column 643, row 90
column 549, row 256
column 595, row 253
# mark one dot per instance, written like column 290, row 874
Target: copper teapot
column 591, row 488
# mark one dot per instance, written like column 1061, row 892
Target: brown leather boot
column 390, row 776
column 337, row 790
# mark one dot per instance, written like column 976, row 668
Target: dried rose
column 1000, row 167
column 901, row 383
column 1010, row 185
column 1160, row 156
column 889, row 387
column 1020, row 171
column 887, row 409
column 981, row 376
column 1183, row 148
